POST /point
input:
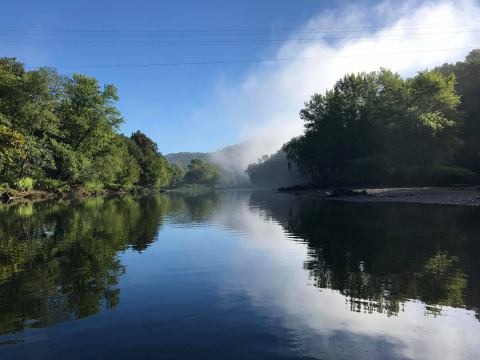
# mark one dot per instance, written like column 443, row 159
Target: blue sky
column 176, row 105
column 156, row 100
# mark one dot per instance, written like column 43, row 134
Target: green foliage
column 11, row 147
column 467, row 74
column 183, row 159
column 202, row 173
column 93, row 186
column 177, row 173
column 274, row 171
column 25, row 184
column 4, row 187
column 53, row 185
column 374, row 128
column 63, row 132
column 154, row 169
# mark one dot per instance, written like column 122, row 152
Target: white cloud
column 265, row 105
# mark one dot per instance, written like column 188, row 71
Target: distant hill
column 234, row 160
column 230, row 160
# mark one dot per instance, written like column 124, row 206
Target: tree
column 202, row 173
column 274, row 171
column 177, row 173
column 89, row 122
column 339, row 127
column 154, row 169
column 378, row 127
column 467, row 74
column 28, row 105
column 57, row 128
column 11, row 147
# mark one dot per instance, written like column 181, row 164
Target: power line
column 221, row 42
column 216, row 62
column 239, row 31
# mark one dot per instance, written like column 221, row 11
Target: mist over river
column 238, row 275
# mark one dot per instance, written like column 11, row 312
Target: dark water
column 238, row 275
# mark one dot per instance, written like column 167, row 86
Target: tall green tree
column 11, row 147
column 89, row 121
column 467, row 74
column 65, row 131
column 370, row 125
column 154, row 169
column 177, row 173
column 28, row 102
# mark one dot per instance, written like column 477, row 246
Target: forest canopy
column 381, row 129
column 59, row 132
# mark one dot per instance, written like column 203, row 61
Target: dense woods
column 381, row 129
column 59, row 133
column 274, row 170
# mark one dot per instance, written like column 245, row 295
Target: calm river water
column 238, row 275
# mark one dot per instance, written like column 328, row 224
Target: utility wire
column 220, row 42
column 216, row 62
column 240, row 31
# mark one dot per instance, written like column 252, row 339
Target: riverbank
column 18, row 196
column 426, row 195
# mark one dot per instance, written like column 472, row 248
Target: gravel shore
column 427, row 195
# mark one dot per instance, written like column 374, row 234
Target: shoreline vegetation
column 380, row 129
column 464, row 195
column 20, row 196
column 61, row 135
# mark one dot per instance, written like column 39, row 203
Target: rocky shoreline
column 465, row 195
column 469, row 195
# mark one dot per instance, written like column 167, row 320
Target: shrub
column 25, row 184
column 93, row 186
column 52, row 185
column 4, row 187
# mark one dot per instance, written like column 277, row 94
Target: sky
column 211, row 90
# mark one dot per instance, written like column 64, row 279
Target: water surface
column 238, row 275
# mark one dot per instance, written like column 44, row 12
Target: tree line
column 379, row 128
column 59, row 133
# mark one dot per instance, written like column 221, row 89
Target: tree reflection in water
column 379, row 255
column 59, row 260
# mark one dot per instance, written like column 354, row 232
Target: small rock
column 6, row 197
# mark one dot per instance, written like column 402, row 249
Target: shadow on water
column 379, row 255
